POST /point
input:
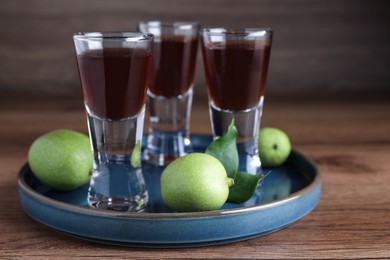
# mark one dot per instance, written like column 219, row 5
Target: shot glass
column 170, row 91
column 114, row 72
column 236, row 65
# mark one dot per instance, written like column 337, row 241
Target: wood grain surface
column 350, row 142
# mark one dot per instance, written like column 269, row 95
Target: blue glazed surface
column 287, row 194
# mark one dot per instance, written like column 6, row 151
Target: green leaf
column 245, row 185
column 225, row 150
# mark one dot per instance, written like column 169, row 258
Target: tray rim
column 176, row 215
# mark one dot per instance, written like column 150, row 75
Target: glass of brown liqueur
column 169, row 97
column 236, row 64
column 114, row 72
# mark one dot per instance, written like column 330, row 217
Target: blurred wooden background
column 322, row 49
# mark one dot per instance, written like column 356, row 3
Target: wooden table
column 350, row 142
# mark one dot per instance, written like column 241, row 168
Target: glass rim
column 237, row 31
column 125, row 36
column 184, row 25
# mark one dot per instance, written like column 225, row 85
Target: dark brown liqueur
column 173, row 68
column 235, row 74
column 114, row 81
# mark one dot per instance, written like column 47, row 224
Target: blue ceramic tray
column 287, row 194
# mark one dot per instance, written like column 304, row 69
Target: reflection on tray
column 281, row 182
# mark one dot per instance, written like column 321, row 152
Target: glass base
column 169, row 128
column 116, row 184
column 247, row 123
column 165, row 147
column 119, row 204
